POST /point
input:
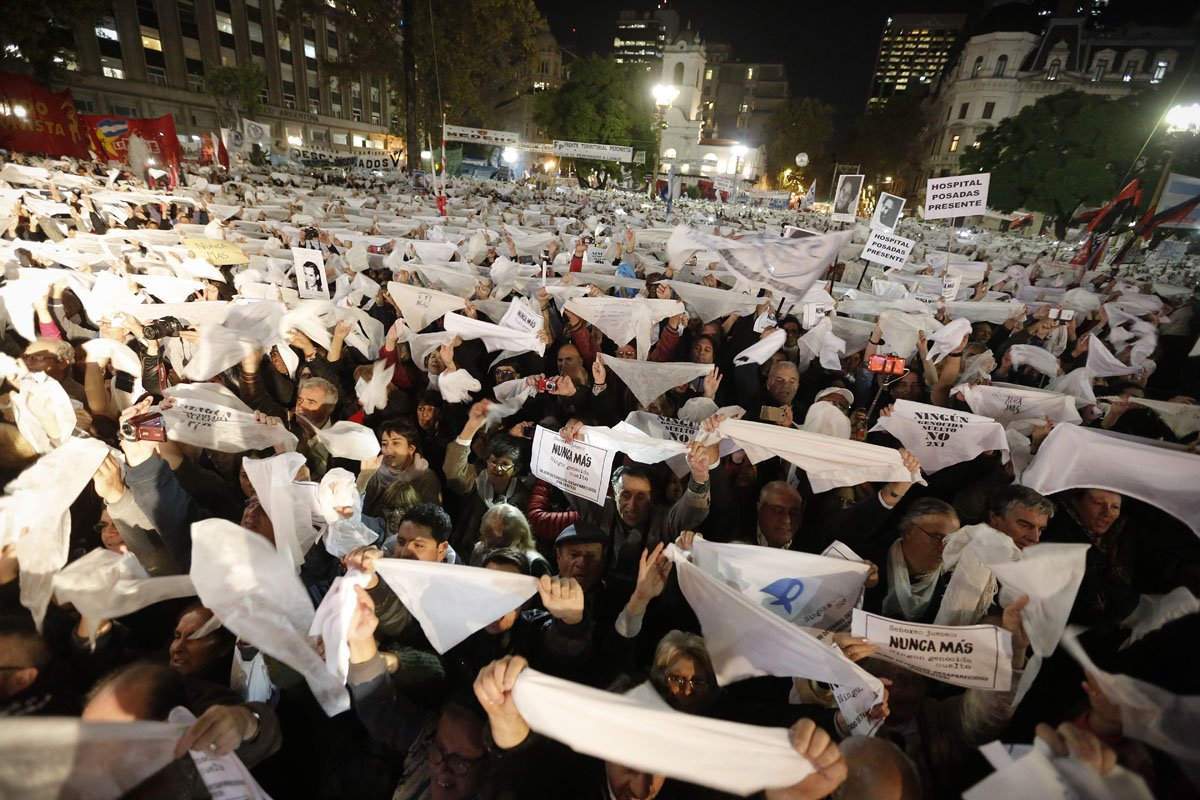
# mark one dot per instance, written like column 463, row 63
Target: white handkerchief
column 338, row 490
column 456, row 386
column 44, row 412
column 900, row 331
column 940, row 437
column 494, row 337
column 273, row 480
column 1073, row 457
column 119, row 354
column 225, row 777
column 1155, row 610
column 167, row 288
column 419, row 307
column 1078, row 384
column 710, row 303
column 372, row 393
column 760, row 351
column 1040, row 359
column 624, row 319
column 255, row 591
column 104, row 585
column 649, row 379
column 37, row 515
column 1182, row 418
column 634, row 443
column 947, row 339
column 996, row 312
column 828, row 462
column 46, row 758
column 459, row 281
column 219, row 349
column 643, row 734
column 1102, row 363
column 452, row 601
column 1007, row 404
column 218, row 424
column 350, row 440
column 332, row 621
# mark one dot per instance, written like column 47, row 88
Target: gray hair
column 62, row 349
column 1013, row 496
column 331, row 391
column 513, row 525
column 780, row 365
column 677, row 644
column 927, row 507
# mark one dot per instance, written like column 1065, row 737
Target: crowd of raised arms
column 326, row 486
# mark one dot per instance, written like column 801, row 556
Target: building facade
column 515, row 110
column 739, row 97
column 913, row 51
column 1000, row 72
column 643, row 35
column 148, row 58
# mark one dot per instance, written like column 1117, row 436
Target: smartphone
column 886, row 365
column 773, row 413
column 1062, row 314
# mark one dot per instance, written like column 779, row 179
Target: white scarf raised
column 906, row 599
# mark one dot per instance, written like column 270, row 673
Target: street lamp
column 549, row 165
column 738, row 150
column 510, row 155
column 1184, row 119
column 664, row 95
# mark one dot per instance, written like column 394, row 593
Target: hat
column 836, row 390
column 582, row 533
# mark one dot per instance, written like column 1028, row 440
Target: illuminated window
column 750, row 73
column 708, row 73
column 106, row 28
column 224, row 23
column 954, row 143
column 1160, row 71
column 1130, row 70
column 151, row 42
column 1052, row 72
column 975, row 70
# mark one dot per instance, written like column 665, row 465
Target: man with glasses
column 912, row 578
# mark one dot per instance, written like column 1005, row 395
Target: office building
column 642, row 36
column 913, row 51
column 739, row 97
column 515, row 109
column 147, row 58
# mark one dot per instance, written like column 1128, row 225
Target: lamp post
column 1178, row 121
column 664, row 95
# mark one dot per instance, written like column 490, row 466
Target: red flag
column 109, row 137
column 33, row 120
column 1106, row 216
column 219, row 151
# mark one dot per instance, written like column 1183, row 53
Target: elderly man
column 912, row 579
column 55, row 358
column 633, row 519
column 1020, row 513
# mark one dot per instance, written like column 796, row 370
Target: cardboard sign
column 595, row 254
column 887, row 213
column 950, row 286
column 957, row 196
column 596, row 152
column 520, row 317
column 974, row 656
column 577, row 468
column 310, row 273
column 1171, row 251
column 887, row 250
column 217, row 252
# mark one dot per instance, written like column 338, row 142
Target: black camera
column 311, row 233
column 163, row 328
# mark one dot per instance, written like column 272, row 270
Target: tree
column 237, row 90
column 1066, row 150
column 886, row 142
column 801, row 126
column 465, row 53
column 37, row 35
column 603, row 102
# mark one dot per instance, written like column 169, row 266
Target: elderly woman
column 683, row 673
column 503, row 525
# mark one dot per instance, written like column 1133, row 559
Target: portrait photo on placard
column 310, row 274
column 845, row 198
column 887, row 212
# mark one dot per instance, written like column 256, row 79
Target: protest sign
column 575, row 467
column 458, row 133
column 974, row 656
column 890, row 251
column 941, row 437
column 956, row 196
column 845, row 198
column 226, row 430
column 887, row 213
column 520, row 317
column 598, row 152
column 595, row 254
column 950, row 286
column 110, row 137
column 1171, row 250
column 49, row 123
column 814, row 313
column 217, row 252
column 310, row 273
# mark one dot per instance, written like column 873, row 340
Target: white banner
column 957, row 196
column 974, row 656
column 883, row 248
column 457, row 133
column 598, row 152
column 545, row 148
column 575, row 467
column 226, row 430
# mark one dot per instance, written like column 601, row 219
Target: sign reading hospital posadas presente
column 597, row 152
column 974, row 656
column 957, row 196
column 886, row 249
column 457, row 133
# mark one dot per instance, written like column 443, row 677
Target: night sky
column 828, row 47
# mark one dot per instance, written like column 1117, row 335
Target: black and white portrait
column 845, row 199
column 310, row 273
column 887, row 212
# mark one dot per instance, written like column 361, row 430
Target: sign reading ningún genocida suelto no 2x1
column 956, row 196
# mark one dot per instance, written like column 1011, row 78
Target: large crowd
column 348, row 485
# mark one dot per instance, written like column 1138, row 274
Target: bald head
column 137, row 691
column 780, row 508
column 878, row 770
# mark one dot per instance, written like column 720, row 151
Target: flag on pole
column 1176, row 213
column 810, row 196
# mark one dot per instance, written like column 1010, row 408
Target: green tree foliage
column 482, row 49
column 237, row 89
column 40, row 32
column 887, row 142
column 1067, row 150
column 802, row 126
column 602, row 102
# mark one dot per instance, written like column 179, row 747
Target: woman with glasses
column 912, row 577
column 683, row 673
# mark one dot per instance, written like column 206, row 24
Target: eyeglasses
column 938, row 540
column 500, row 466
column 458, row 765
column 678, row 682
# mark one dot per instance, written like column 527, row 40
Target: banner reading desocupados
column 575, row 467
column 599, row 152
column 888, row 250
column 458, row 133
column 974, row 656
column 956, row 196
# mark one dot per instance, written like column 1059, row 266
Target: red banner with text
column 34, row 120
column 110, row 136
